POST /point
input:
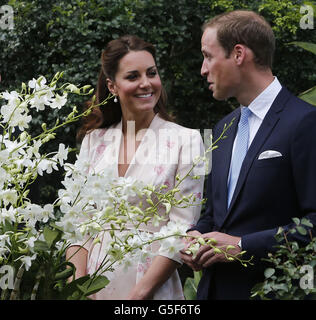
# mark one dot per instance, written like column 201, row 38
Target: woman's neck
column 136, row 121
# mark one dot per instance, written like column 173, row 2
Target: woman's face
column 137, row 83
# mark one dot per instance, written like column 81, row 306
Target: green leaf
column 191, row 284
column 257, row 290
column 92, row 286
column 301, row 230
column 306, row 222
column 280, row 231
column 309, row 46
column 50, row 235
column 41, row 246
column 296, row 221
column 64, row 274
column 189, row 289
column 309, row 96
column 71, row 291
column 269, row 272
column 197, row 277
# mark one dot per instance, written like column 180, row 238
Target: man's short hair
column 247, row 28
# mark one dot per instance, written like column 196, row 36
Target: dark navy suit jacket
column 268, row 194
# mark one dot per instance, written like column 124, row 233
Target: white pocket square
column 269, row 154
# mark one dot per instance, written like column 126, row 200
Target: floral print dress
column 165, row 151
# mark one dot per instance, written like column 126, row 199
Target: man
column 250, row 196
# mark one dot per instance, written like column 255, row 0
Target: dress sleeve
column 191, row 149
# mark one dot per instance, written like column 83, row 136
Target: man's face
column 221, row 72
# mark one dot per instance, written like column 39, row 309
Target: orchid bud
column 23, row 136
column 216, row 250
column 86, row 87
column 211, row 241
column 14, row 171
column 23, row 250
column 146, row 219
column 138, row 211
column 73, row 88
column 25, row 194
column 168, row 207
column 39, row 80
column 149, row 201
column 56, row 76
column 44, row 126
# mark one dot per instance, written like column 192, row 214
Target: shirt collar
column 262, row 103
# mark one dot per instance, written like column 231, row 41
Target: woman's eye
column 152, row 73
column 131, row 77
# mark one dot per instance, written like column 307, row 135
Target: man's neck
column 256, row 82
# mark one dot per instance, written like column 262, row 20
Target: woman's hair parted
column 111, row 113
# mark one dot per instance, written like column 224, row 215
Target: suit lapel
column 222, row 157
column 265, row 130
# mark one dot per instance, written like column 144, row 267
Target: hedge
column 51, row 36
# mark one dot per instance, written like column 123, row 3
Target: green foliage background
column 55, row 35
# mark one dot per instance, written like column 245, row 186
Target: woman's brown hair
column 111, row 113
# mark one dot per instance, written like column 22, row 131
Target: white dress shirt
column 259, row 108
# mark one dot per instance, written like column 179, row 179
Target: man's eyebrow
column 205, row 52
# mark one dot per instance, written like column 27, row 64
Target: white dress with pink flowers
column 166, row 150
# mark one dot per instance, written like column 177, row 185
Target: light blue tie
column 241, row 147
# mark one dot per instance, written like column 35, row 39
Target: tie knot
column 245, row 113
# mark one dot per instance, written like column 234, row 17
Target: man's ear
column 239, row 53
column 111, row 86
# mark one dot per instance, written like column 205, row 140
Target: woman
column 126, row 134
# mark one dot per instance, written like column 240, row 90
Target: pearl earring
column 115, row 99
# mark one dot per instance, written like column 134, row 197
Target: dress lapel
column 145, row 145
column 112, row 139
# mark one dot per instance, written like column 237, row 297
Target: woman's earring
column 115, row 99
